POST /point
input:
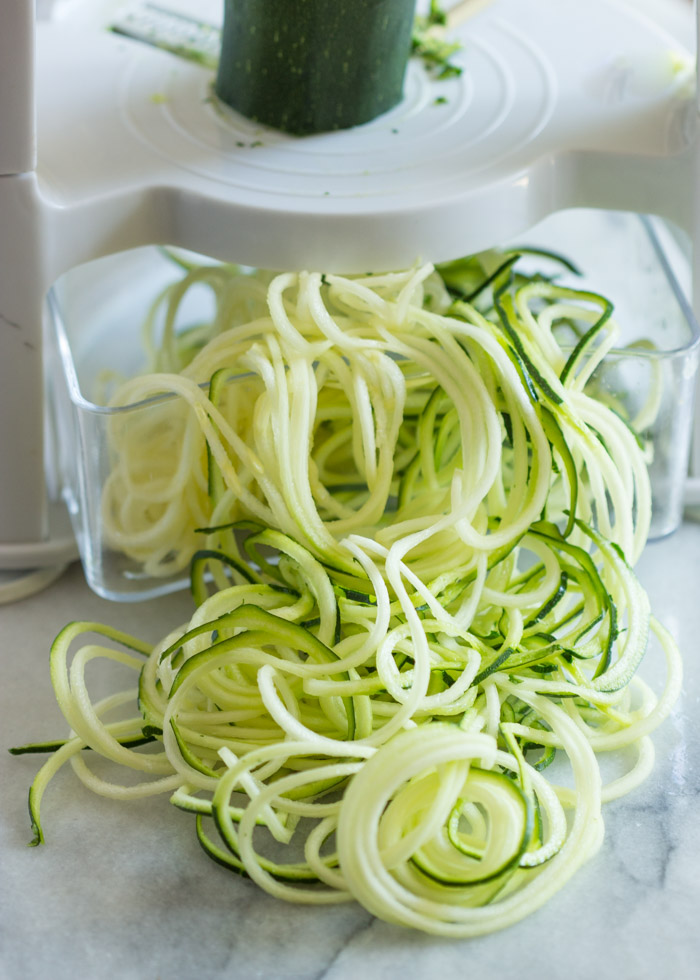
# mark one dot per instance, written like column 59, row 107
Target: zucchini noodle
column 410, row 533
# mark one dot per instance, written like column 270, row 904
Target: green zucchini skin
column 310, row 66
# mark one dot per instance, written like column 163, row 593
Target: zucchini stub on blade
column 310, row 66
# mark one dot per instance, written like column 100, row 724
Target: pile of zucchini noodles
column 411, row 534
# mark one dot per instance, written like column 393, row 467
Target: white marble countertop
column 122, row 890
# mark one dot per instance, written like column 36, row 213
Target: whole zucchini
column 308, row 66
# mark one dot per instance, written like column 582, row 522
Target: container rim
column 684, row 304
column 648, row 222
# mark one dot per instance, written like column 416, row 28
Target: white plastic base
column 557, row 106
column 58, row 548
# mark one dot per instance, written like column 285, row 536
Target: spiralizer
column 108, row 144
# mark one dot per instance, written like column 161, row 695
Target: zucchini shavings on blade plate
column 411, row 534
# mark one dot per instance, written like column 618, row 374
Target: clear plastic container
column 642, row 266
column 94, row 337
